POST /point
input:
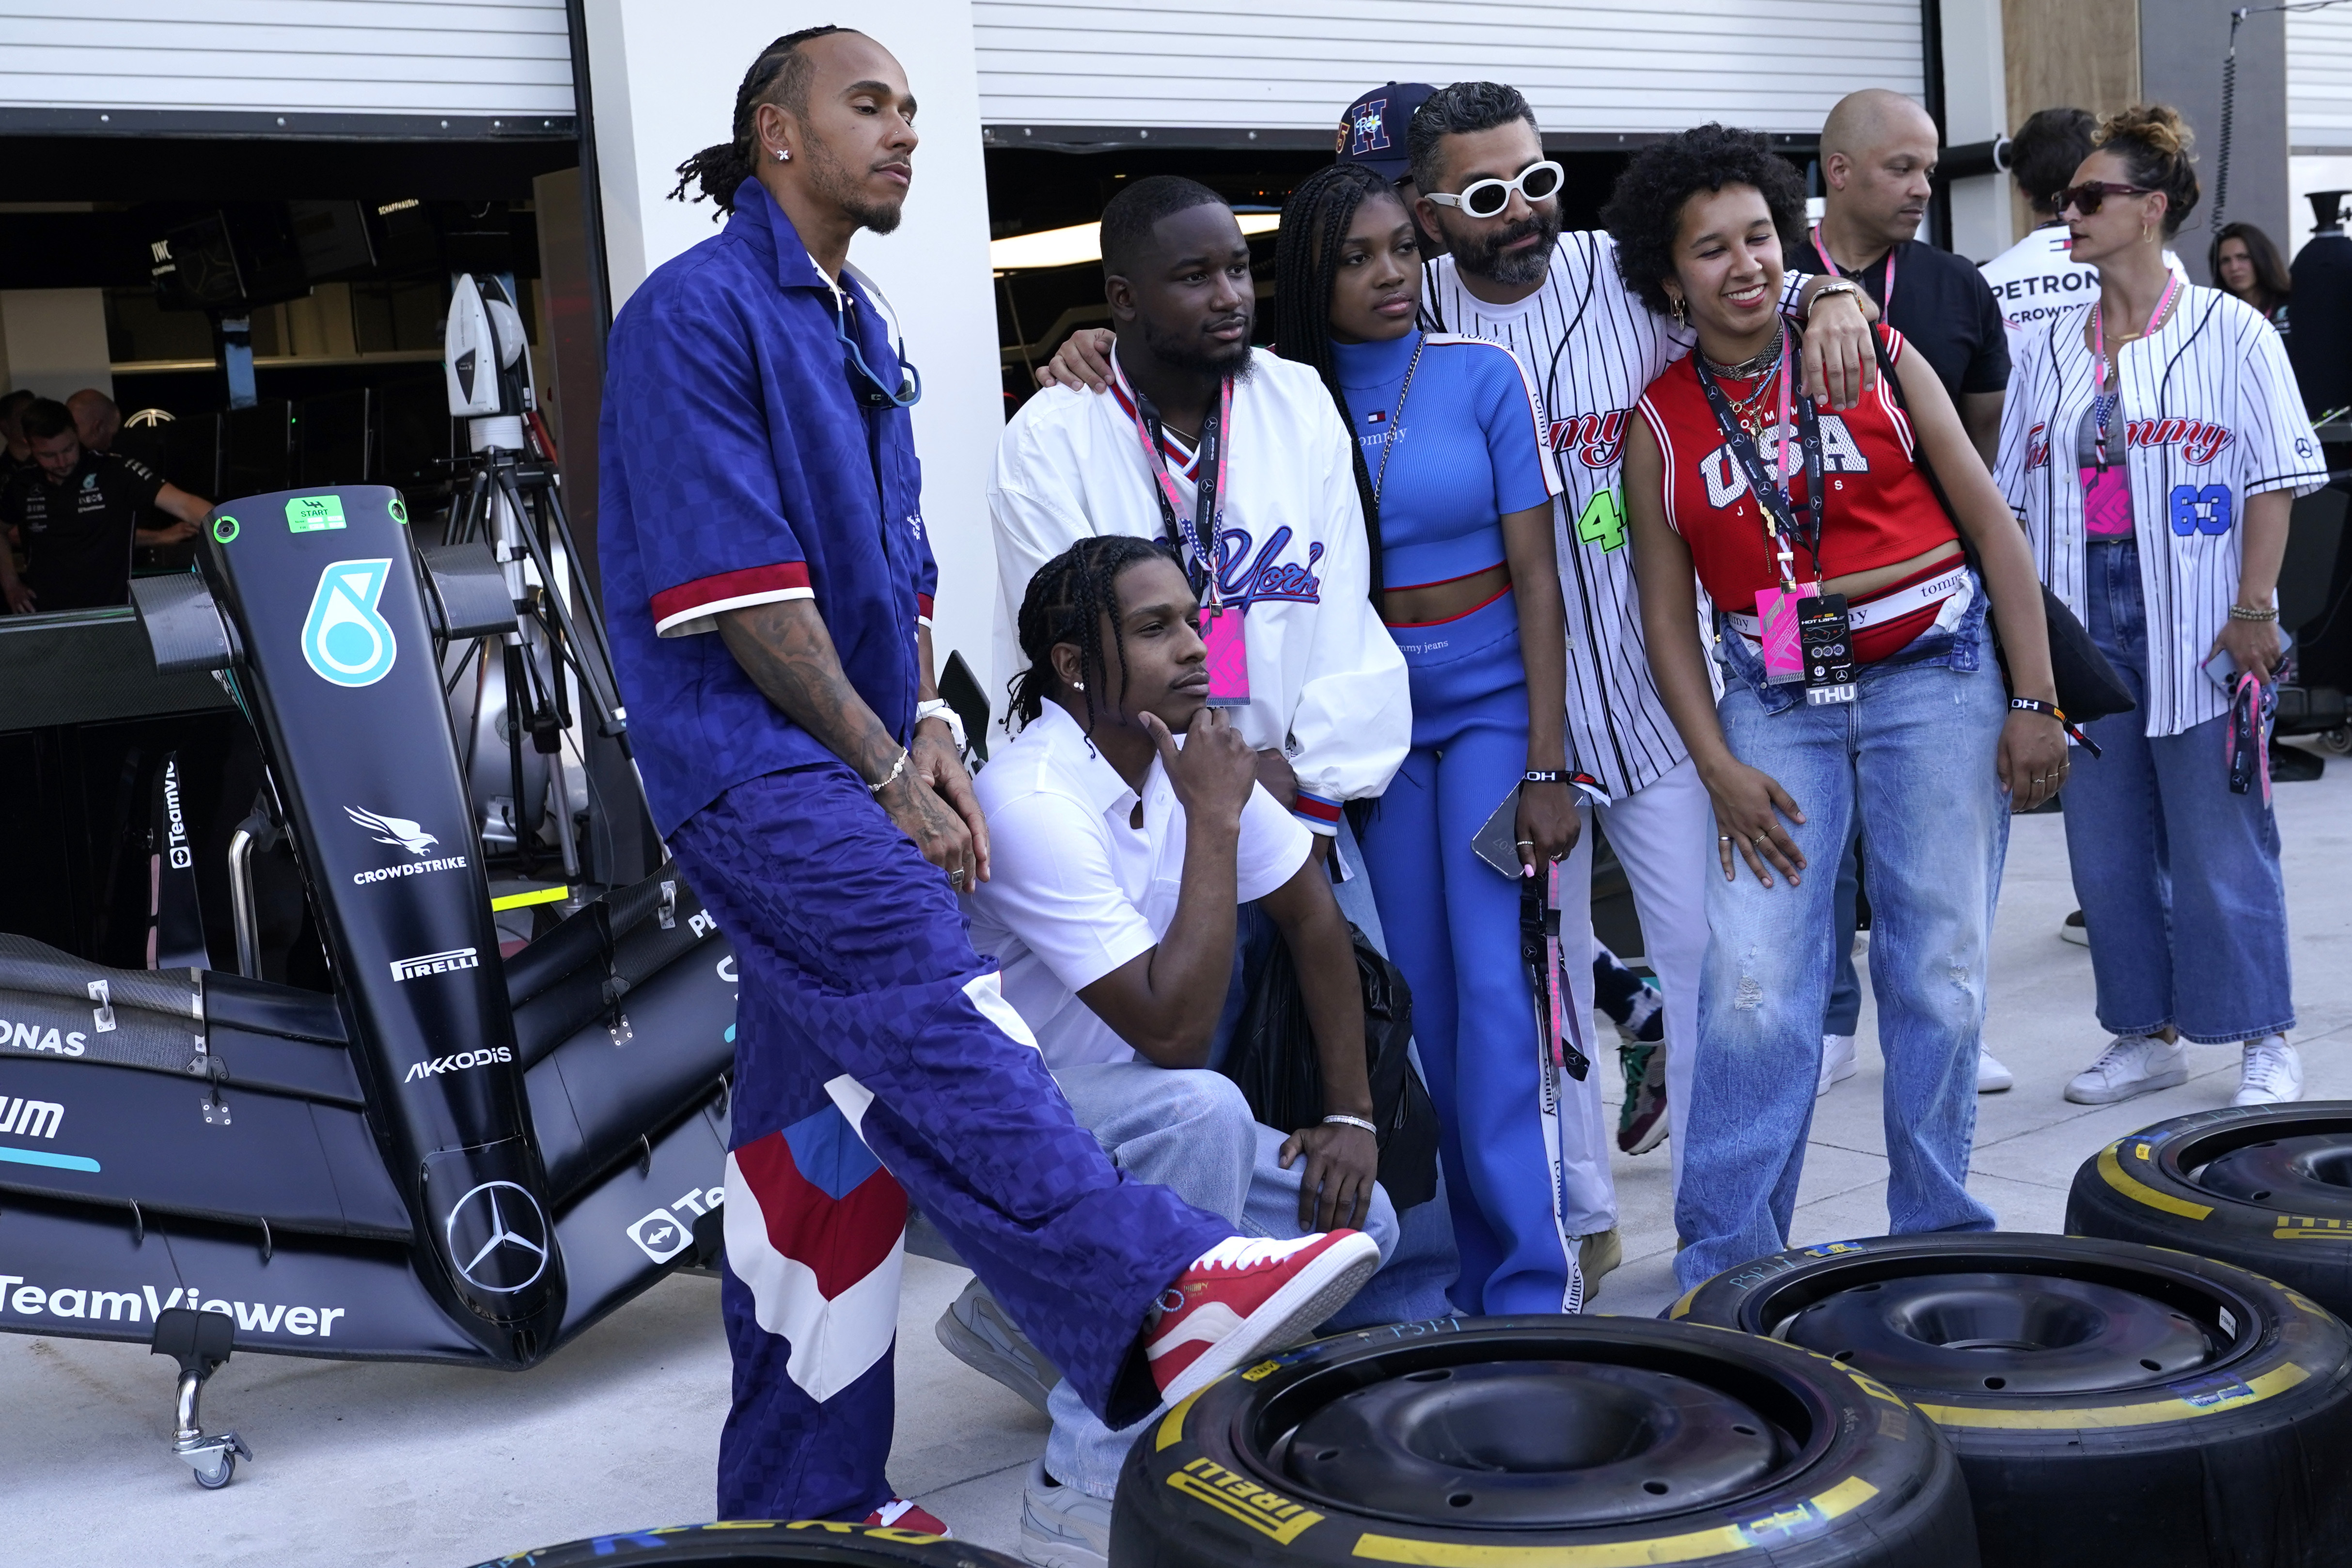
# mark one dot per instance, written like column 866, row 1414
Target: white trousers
column 1662, row 834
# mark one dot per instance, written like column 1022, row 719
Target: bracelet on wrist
column 2035, row 705
column 1351, row 1121
column 2245, row 613
column 1836, row 286
column 892, row 776
column 1544, row 775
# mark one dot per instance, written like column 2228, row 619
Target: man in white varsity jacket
column 1328, row 713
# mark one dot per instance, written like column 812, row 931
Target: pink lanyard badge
column 2106, row 489
column 1776, row 608
column 1221, row 623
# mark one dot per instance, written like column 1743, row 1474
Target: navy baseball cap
column 1372, row 131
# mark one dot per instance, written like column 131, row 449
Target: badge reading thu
column 344, row 638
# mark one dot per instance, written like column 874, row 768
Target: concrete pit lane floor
column 438, row 1467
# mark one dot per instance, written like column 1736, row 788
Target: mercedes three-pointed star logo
column 503, row 1246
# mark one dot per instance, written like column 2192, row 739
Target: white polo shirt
column 1073, row 891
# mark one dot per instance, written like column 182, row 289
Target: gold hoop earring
column 2144, row 228
column 1676, row 300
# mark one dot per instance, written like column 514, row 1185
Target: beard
column 1483, row 256
column 836, row 184
column 1188, row 351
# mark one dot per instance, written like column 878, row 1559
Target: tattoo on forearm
column 788, row 653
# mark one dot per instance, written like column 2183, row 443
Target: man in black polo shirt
column 77, row 513
column 1878, row 153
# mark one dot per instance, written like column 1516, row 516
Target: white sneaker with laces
column 1837, row 1062
column 2132, row 1065
column 1991, row 1077
column 1062, row 1527
column 2271, row 1073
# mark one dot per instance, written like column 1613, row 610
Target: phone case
column 1497, row 843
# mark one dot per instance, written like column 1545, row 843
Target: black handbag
column 2087, row 685
column 1274, row 1064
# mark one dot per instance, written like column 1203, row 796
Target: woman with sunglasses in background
column 1457, row 499
column 1859, row 686
column 2152, row 445
column 2246, row 264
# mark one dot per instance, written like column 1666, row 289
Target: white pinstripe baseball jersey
column 1592, row 346
column 2211, row 417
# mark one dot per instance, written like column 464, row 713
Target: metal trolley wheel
column 1535, row 1439
column 2107, row 1401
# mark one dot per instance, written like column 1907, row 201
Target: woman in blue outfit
column 1457, row 497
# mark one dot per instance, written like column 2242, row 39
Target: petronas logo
column 346, row 641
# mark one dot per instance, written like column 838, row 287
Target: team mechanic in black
column 77, row 516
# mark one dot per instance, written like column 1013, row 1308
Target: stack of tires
column 1542, row 1441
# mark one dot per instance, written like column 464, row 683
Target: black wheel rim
column 2313, row 1170
column 2003, row 1333
column 1548, row 1430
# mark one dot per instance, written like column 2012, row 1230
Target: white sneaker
column 2074, row 929
column 1062, row 1527
column 2131, row 1064
column 977, row 1332
column 2271, row 1073
column 1991, row 1077
column 1837, row 1061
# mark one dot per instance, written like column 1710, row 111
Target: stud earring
column 783, row 156
column 1077, row 686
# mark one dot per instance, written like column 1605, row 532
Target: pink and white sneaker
column 900, row 1514
column 1243, row 1297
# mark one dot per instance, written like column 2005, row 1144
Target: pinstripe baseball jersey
column 1591, row 346
column 2211, row 417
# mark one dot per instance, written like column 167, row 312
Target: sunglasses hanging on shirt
column 874, row 393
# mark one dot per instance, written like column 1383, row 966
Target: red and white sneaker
column 900, row 1514
column 1245, row 1295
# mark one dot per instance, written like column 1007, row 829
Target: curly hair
column 1644, row 214
column 1465, row 106
column 1066, row 603
column 2153, row 140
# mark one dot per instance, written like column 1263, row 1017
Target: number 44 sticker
column 1603, row 521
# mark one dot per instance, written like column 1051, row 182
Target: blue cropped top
column 1468, row 449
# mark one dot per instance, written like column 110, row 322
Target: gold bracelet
column 2240, row 613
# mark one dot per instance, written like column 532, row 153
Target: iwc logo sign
column 346, row 641
column 499, row 1238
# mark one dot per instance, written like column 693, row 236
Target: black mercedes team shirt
column 1942, row 305
column 77, row 533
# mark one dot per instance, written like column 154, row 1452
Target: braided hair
column 1315, row 223
column 1067, row 602
column 780, row 77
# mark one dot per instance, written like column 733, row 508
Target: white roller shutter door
column 311, row 56
column 2319, row 80
column 1587, row 69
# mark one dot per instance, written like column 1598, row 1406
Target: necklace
column 1396, row 420
column 1754, row 364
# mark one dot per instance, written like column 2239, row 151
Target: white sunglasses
column 1487, row 198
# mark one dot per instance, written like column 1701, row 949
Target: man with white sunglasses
column 1592, row 345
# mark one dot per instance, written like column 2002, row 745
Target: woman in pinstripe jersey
column 2152, row 445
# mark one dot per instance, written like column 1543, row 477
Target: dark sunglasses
column 2091, row 194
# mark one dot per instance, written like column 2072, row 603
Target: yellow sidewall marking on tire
column 2278, row 1379
column 1172, row 1425
column 1776, row 1529
column 1682, row 1308
column 2139, row 1192
column 1236, row 1496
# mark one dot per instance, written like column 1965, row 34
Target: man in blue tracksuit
column 768, row 583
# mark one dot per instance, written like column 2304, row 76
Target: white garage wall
column 663, row 91
column 348, row 57
column 1665, row 65
column 2319, row 82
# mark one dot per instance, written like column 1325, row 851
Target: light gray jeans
column 1191, row 1131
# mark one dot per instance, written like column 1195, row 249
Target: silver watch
column 938, row 707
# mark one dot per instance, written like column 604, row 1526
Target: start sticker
column 314, row 514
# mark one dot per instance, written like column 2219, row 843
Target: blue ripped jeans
column 1913, row 757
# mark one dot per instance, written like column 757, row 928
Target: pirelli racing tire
column 2109, row 1402
column 2266, row 1187
column 1539, row 1441
column 816, row 1542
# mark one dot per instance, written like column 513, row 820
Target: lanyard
column 1886, row 301
column 1782, row 523
column 1181, row 531
column 2101, row 404
column 1396, row 421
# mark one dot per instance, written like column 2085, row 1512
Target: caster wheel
column 223, row 1469
column 2337, row 741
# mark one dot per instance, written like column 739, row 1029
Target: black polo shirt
column 1942, row 305
column 77, row 533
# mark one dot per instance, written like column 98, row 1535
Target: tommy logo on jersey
column 1244, row 576
column 1841, row 454
column 1598, row 439
column 1371, row 127
column 2199, row 441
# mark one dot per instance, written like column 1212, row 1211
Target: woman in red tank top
column 1860, row 688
